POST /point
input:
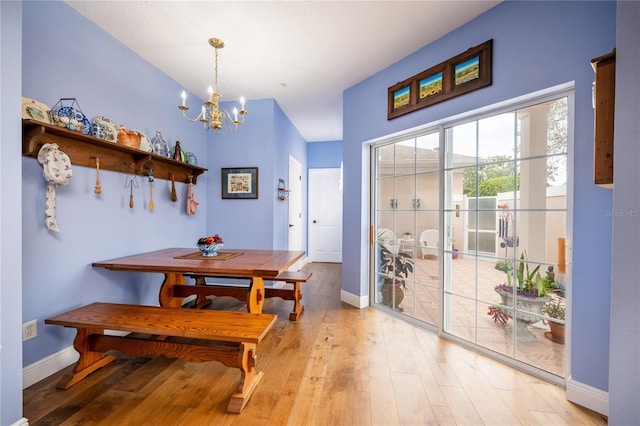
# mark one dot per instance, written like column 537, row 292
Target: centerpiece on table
column 210, row 245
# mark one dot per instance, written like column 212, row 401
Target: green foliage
column 491, row 187
column 554, row 308
column 528, row 282
column 499, row 166
column 398, row 265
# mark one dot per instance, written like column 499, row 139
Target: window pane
column 496, row 138
column 460, row 144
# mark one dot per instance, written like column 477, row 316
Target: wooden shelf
column 83, row 150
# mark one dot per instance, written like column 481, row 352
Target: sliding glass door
column 469, row 211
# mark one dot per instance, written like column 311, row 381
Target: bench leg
column 298, row 308
column 249, row 378
column 89, row 361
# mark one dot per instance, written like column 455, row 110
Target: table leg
column 166, row 297
column 201, row 300
column 255, row 298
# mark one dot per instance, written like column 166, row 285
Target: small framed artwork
column 240, row 183
column 401, row 98
column 471, row 70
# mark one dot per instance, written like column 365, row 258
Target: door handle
column 315, row 221
column 290, row 225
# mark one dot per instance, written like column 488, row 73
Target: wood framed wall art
column 240, row 183
column 464, row 73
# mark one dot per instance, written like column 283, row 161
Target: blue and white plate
column 109, row 127
column 73, row 118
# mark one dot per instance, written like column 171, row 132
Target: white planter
column 526, row 307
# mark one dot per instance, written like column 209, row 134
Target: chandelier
column 211, row 116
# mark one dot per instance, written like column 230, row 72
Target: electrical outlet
column 29, row 330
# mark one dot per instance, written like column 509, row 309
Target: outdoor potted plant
column 394, row 269
column 532, row 292
column 555, row 308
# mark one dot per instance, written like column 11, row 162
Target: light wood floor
column 337, row 365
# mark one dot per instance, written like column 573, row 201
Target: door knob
column 315, row 221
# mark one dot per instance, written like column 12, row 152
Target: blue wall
column 323, row 155
column 10, row 214
column 536, row 45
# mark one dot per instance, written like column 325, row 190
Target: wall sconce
column 283, row 192
column 416, row 203
column 394, row 203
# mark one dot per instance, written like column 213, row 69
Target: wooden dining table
column 177, row 263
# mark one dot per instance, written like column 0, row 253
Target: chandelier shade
column 211, row 115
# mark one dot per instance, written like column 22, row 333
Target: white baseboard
column 359, row 302
column 21, row 422
column 588, row 396
column 42, row 369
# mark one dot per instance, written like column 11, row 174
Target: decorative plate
column 35, row 110
column 109, row 126
column 145, row 143
column 73, row 117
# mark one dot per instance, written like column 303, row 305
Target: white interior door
column 295, row 204
column 325, row 215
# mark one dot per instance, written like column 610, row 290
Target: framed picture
column 463, row 73
column 240, row 183
column 401, row 98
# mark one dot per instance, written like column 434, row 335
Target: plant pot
column 392, row 293
column 528, row 310
column 556, row 334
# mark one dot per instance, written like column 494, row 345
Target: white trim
column 354, row 300
column 588, row 396
column 42, row 369
column 21, row 422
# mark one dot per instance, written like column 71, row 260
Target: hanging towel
column 56, row 168
column 192, row 204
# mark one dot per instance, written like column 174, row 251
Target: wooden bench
column 237, row 333
column 296, row 278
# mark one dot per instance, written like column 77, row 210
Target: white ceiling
column 303, row 54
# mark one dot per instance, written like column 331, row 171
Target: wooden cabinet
column 604, row 105
column 83, row 150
